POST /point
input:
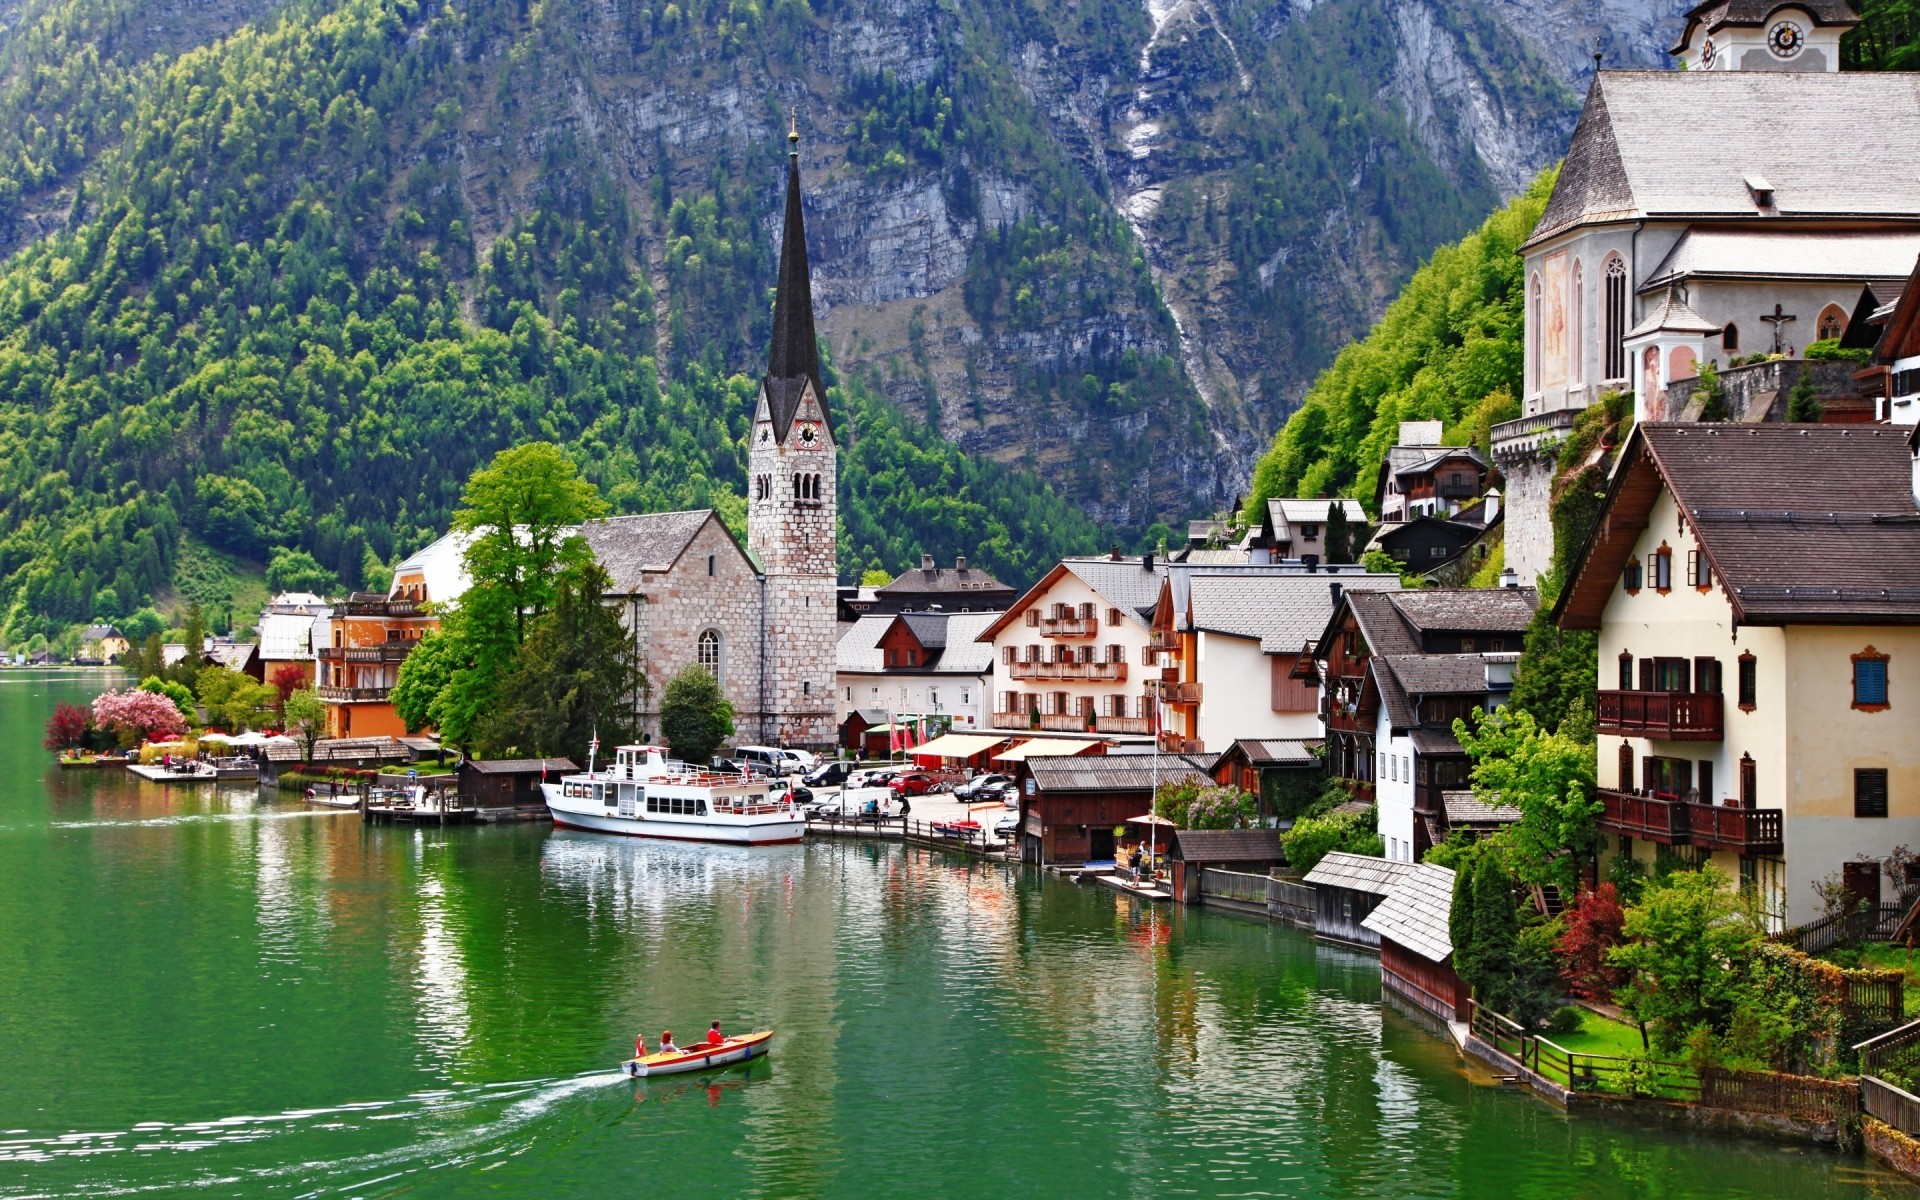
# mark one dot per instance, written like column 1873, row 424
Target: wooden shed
column 1346, row 889
column 1071, row 806
column 510, row 782
column 1416, row 949
column 1254, row 851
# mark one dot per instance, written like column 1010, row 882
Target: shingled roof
column 1358, row 873
column 1800, row 523
column 628, row 548
column 1465, row 610
column 1226, row 846
column 1284, row 611
column 1795, row 128
column 1416, row 913
column 1114, row 772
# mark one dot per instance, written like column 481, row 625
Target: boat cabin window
column 677, row 806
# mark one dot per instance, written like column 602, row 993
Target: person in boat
column 640, row 1045
column 714, row 1036
column 666, row 1042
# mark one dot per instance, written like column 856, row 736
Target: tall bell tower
column 792, row 513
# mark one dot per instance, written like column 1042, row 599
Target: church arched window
column 1730, row 338
column 1832, row 323
column 1534, row 332
column 1614, row 332
column 710, row 651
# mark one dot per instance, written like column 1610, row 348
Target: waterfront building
column 1413, row 923
column 1075, row 808
column 1230, row 651
column 917, row 665
column 102, row 644
column 1756, row 590
column 1065, row 652
column 1397, row 669
column 1191, row 851
column 1657, row 252
column 1263, row 766
column 364, row 639
column 288, row 625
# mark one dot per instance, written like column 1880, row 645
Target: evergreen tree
column 1489, row 964
column 695, row 717
column 1803, row 403
column 1339, row 536
column 1460, row 917
column 574, row 678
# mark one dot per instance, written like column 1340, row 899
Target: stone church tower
column 792, row 515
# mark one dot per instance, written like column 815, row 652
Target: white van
column 771, row 759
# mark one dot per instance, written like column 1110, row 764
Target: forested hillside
column 267, row 325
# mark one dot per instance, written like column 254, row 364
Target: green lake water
column 213, row 992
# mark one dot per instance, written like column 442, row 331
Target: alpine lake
column 218, row 991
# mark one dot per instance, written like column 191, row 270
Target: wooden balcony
column 383, row 608
column 1649, row 818
column 1069, row 627
column 1182, row 693
column 1063, row 722
column 1663, row 716
column 1069, row 672
column 1172, row 743
column 386, row 652
column 1123, row 724
column 1164, row 642
column 354, row 695
column 1012, row 720
column 1741, row 830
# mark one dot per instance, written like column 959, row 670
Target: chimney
column 1760, row 189
column 1311, row 562
column 1334, row 587
column 1113, row 552
column 926, row 562
column 1493, row 505
column 1509, row 578
column 960, row 563
column 1146, row 561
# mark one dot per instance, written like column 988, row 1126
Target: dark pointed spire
column 792, row 360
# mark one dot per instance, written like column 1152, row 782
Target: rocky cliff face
column 1106, row 241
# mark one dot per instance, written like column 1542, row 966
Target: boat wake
column 308, row 1151
column 204, row 818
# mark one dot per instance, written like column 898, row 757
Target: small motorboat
column 701, row 1056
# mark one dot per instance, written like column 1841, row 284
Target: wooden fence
column 1283, row 899
column 1237, row 886
column 1894, row 1051
column 1292, row 902
column 1578, row 1071
column 1896, row 1106
column 1799, row 1096
column 1872, row 925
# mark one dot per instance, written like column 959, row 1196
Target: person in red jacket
column 714, row 1036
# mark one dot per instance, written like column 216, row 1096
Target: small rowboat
column 701, row 1056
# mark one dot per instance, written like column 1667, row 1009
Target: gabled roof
column 1284, row 612
column 950, row 639
column 928, row 628
column 1417, row 912
column 1797, row 129
column 1901, row 337
column 1275, row 752
column 1114, row 772
column 958, row 579
column 1130, row 584
column 1439, row 674
column 96, row 633
column 1434, row 462
column 441, row 563
column 1800, row 523
column 520, row 766
column 858, row 651
column 1226, row 846
column 1358, row 873
column 232, row 655
column 1715, row 15
column 630, row 548
column 1465, row 808
column 1466, row 610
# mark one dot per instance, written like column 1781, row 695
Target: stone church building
column 1736, row 209
column 759, row 616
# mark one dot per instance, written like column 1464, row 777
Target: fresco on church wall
column 1553, row 320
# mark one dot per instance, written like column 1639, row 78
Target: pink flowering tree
column 138, row 716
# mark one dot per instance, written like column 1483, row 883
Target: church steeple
column 792, row 360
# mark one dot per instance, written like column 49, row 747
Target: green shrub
column 1313, row 838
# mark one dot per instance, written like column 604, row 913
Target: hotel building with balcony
column 1756, row 591
column 361, row 643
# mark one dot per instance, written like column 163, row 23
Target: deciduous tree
column 1686, row 943
column 1549, row 777
column 305, row 715
column 136, row 716
column 695, row 717
column 67, row 729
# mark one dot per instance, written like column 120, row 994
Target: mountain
column 282, row 273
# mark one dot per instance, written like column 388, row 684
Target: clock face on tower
column 809, row 435
column 766, row 435
column 1707, row 49
column 1785, row 39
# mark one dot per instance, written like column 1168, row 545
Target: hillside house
column 1399, row 669
column 288, row 625
column 1756, row 590
column 102, row 644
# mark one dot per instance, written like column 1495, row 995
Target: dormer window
column 1760, row 190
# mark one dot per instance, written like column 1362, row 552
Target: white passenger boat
column 643, row 793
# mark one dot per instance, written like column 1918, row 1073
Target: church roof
column 630, row 547
column 1778, row 253
column 1715, row 15
column 1673, row 315
column 793, row 359
column 1800, row 130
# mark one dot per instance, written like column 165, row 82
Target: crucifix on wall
column 1777, row 318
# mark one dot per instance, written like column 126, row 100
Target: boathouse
column 1416, row 949
column 510, row 782
column 1071, row 806
column 1346, row 890
column 1191, row 851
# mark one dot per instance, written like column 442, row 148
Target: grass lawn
column 1599, row 1035
column 423, row 770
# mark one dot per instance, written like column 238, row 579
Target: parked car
column 915, row 783
column 829, row 774
column 1008, row 825
column 780, row 789
column 806, row 760
column 871, row 778
column 739, row 766
column 771, row 759
column 1010, row 795
column 981, row 787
